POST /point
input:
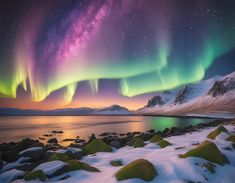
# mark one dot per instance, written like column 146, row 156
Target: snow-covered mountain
column 214, row 97
column 112, row 110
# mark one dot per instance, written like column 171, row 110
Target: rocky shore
column 32, row 159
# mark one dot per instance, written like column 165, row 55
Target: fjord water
column 15, row 128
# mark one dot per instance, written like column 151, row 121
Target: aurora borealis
column 95, row 52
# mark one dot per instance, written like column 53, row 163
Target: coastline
column 118, row 142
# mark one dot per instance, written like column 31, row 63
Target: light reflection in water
column 16, row 128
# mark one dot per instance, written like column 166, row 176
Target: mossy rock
column 231, row 138
column 209, row 166
column 34, row 175
column 155, row 138
column 59, row 156
column 208, row 151
column 78, row 165
column 97, row 145
column 139, row 168
column 164, row 143
column 216, row 132
column 138, row 143
column 116, row 163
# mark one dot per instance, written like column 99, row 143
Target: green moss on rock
column 97, row 145
column 231, row 138
column 209, row 166
column 155, row 138
column 138, row 143
column 59, row 156
column 78, row 165
column 34, row 175
column 116, row 163
column 139, row 168
column 164, row 143
column 216, row 132
column 208, row 151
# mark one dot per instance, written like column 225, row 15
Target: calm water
column 16, row 128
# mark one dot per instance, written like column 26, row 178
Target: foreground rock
column 208, row 151
column 140, row 168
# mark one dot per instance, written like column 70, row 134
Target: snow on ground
column 170, row 168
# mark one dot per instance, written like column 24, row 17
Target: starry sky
column 95, row 53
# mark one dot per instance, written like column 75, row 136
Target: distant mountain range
column 214, row 97
column 112, row 110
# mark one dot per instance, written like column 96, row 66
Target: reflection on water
column 18, row 127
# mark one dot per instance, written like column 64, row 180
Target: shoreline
column 28, row 154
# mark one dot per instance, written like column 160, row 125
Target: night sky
column 73, row 53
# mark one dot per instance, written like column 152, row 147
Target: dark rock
column 10, row 156
column 47, row 135
column 47, row 155
column 116, row 144
column 151, row 131
column 54, row 131
column 53, row 140
column 22, row 145
column 34, row 153
column 92, row 137
column 67, row 140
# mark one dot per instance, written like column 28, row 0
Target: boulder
column 78, row 165
column 53, row 140
column 155, row 138
column 138, row 143
column 216, row 132
column 164, row 143
column 97, row 145
column 208, row 151
column 74, row 153
column 116, row 144
column 35, row 153
column 53, row 168
column 116, row 163
column 139, row 168
column 34, row 175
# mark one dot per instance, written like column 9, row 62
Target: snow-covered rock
column 11, row 175
column 52, row 168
